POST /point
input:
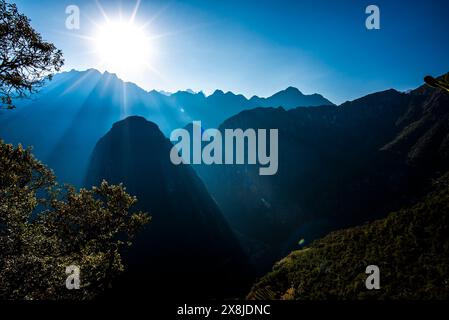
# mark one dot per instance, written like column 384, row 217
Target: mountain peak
column 218, row 92
column 136, row 121
column 292, row 90
column 110, row 74
column 291, row 97
column 184, row 215
column 138, row 124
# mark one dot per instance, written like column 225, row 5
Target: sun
column 121, row 46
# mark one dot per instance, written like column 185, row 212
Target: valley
column 217, row 227
column 308, row 160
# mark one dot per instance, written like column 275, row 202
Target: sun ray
column 134, row 13
column 92, row 21
column 79, row 36
column 177, row 32
column 124, row 108
column 103, row 13
column 77, row 82
column 155, row 71
column 155, row 16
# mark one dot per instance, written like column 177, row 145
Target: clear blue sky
column 260, row 47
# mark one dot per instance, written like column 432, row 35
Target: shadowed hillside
column 410, row 247
column 338, row 167
column 189, row 247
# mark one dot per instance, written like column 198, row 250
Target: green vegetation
column 410, row 246
column 45, row 228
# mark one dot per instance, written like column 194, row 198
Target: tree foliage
column 26, row 60
column 45, row 228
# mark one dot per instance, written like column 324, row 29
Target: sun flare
column 122, row 46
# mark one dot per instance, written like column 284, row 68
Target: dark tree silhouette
column 26, row 60
column 45, row 228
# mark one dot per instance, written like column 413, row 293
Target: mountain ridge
column 362, row 159
column 289, row 89
column 188, row 244
column 78, row 108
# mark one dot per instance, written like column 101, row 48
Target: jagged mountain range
column 339, row 166
column 69, row 115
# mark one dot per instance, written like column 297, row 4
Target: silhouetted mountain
column 188, row 247
column 424, row 139
column 413, row 240
column 68, row 116
column 65, row 120
column 338, row 167
column 291, row 98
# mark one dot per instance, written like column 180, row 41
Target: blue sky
column 261, row 47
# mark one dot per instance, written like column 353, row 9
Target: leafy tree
column 45, row 228
column 26, row 60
